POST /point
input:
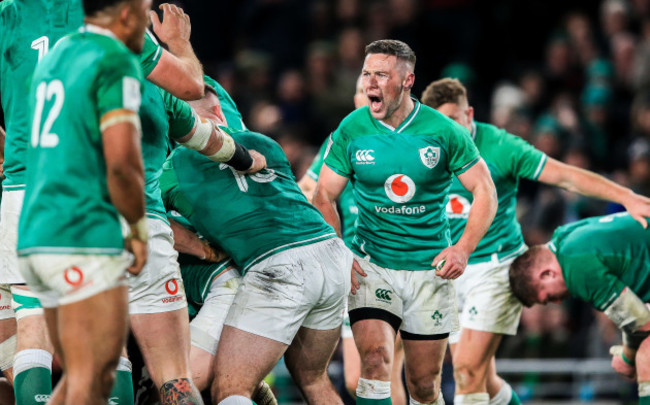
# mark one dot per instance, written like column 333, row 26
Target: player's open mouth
column 376, row 103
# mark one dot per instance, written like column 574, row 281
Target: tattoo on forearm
column 180, row 392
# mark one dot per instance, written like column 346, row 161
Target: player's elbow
column 195, row 89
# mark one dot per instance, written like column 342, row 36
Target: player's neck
column 106, row 25
column 398, row 116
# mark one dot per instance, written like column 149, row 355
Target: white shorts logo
column 458, row 206
column 399, row 188
column 430, row 156
column 365, row 157
column 41, row 398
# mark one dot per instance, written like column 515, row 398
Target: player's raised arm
column 476, row 180
column 593, row 185
column 179, row 70
column 125, row 176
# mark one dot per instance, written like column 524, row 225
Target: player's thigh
column 158, row 288
column 490, row 305
column 423, row 358
column 243, row 359
column 309, row 354
column 375, row 340
column 430, row 311
column 205, row 328
column 92, row 331
column 201, row 366
column 9, row 216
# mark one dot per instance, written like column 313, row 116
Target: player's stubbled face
column 382, row 84
column 139, row 20
column 551, row 291
column 456, row 112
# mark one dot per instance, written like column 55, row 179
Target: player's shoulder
column 358, row 122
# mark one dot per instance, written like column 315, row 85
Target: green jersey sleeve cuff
column 467, row 166
column 540, row 167
column 338, row 171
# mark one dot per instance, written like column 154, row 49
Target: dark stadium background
column 579, row 92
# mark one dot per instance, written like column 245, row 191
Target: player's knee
column 422, row 388
column 375, row 361
column 466, row 375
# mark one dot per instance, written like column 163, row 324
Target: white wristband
column 201, row 136
column 139, row 230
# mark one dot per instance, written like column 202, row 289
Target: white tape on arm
column 628, row 312
column 227, row 150
column 201, row 136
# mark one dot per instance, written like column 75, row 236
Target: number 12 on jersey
column 47, row 91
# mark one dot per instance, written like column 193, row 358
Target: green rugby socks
column 32, row 377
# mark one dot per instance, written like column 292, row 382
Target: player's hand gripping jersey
column 401, row 177
column 250, row 216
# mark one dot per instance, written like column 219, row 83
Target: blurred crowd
column 572, row 79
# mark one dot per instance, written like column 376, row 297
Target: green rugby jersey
column 347, row 206
column 151, row 53
column 67, row 207
column 29, row 29
column 600, row 256
column 509, row 158
column 233, row 116
column 250, row 216
column 163, row 116
column 400, row 178
column 197, row 278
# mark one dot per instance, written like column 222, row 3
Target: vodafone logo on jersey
column 399, row 188
column 458, row 206
column 172, row 287
column 73, row 276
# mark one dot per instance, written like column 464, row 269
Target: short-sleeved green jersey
column 197, row 277
column 509, row 158
column 600, row 256
column 401, row 177
column 233, row 116
column 250, row 216
column 151, row 53
column 347, row 206
column 163, row 116
column 67, row 207
column 29, row 28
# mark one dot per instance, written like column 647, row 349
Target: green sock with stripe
column 32, row 377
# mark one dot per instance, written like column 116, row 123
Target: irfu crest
column 430, row 156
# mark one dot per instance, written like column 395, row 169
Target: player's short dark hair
column 393, row 47
column 92, row 7
column 444, row 91
column 521, row 275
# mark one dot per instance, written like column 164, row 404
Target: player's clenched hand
column 356, row 269
column 455, row 262
column 139, row 250
column 259, row 162
column 639, row 208
column 618, row 364
column 174, row 26
column 211, row 254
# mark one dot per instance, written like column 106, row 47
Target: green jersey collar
column 473, row 131
column 95, row 29
column 407, row 121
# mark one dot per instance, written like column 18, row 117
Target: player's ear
column 546, row 274
column 470, row 113
column 409, row 80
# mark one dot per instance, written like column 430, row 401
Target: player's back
column 249, row 216
column 30, row 28
column 66, row 173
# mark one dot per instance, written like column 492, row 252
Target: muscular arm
column 179, row 70
column 308, row 187
column 478, row 181
column 124, row 167
column 328, row 189
column 186, row 241
column 591, row 184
